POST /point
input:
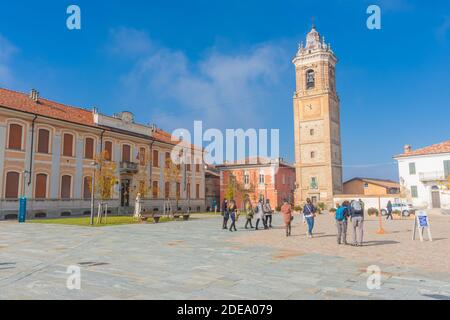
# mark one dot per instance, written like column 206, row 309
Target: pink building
column 271, row 179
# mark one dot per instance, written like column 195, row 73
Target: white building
column 424, row 175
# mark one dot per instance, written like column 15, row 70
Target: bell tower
column 318, row 159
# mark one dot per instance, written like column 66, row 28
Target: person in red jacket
column 286, row 211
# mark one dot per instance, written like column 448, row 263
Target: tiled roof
column 379, row 182
column 22, row 102
column 443, row 147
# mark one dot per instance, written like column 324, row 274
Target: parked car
column 405, row 209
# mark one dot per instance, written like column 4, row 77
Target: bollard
column 22, row 209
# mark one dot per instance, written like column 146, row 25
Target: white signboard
column 422, row 222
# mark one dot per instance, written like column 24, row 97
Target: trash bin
column 22, row 209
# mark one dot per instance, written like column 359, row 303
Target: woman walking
column 309, row 213
column 286, row 211
column 342, row 214
column 233, row 215
column 248, row 213
column 259, row 213
column 268, row 214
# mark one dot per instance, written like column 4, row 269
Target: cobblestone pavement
column 198, row 260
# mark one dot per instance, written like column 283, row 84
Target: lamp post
column 94, row 165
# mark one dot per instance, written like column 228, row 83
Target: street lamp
column 94, row 165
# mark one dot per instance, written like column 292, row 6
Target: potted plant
column 372, row 211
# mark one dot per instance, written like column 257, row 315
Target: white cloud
column 220, row 89
column 7, row 51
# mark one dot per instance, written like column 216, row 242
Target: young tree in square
column 105, row 176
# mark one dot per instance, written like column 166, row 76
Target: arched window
column 43, row 141
column 155, row 188
column 108, row 150
column 89, row 148
column 167, row 190
column 15, row 136
column 40, row 190
column 311, row 132
column 87, row 186
column 68, row 145
column 66, row 186
column 155, row 158
column 12, row 185
column 310, row 79
column 126, row 153
column 313, row 154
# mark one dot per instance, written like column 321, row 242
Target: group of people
column 354, row 212
column 346, row 212
column 262, row 212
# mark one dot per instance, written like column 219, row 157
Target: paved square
column 198, row 260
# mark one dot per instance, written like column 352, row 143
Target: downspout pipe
column 30, row 168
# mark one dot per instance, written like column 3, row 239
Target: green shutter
column 412, row 168
column 414, row 192
column 447, row 168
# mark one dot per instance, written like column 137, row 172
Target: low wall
column 377, row 202
column 64, row 208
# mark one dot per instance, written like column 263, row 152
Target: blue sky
column 228, row 63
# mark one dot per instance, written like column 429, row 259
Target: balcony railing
column 128, row 167
column 432, row 176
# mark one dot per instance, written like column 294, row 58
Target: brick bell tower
column 318, row 159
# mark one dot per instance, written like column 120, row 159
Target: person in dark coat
column 389, row 210
column 225, row 214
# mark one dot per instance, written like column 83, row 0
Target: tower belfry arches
column 318, row 159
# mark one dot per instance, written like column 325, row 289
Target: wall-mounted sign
column 422, row 222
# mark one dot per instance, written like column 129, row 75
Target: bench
column 154, row 216
column 179, row 215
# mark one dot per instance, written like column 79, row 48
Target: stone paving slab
column 189, row 260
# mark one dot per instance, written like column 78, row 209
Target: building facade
column 48, row 151
column 212, row 188
column 318, row 159
column 424, row 175
column 371, row 187
column 271, row 179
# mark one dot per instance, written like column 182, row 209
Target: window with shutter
column 15, row 136
column 155, row 189
column 43, row 141
column 41, row 186
column 155, row 158
column 167, row 190
column 126, row 153
column 447, row 168
column 89, row 148
column 87, row 187
column 108, row 150
column 68, row 145
column 12, row 185
column 66, row 182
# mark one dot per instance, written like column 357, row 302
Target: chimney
column 34, row 95
column 407, row 148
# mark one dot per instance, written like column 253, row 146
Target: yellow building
column 371, row 187
column 47, row 150
column 318, row 159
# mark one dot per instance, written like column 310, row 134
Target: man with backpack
column 357, row 218
column 342, row 214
